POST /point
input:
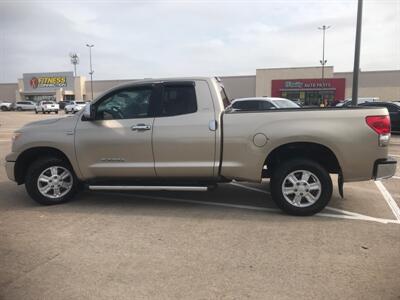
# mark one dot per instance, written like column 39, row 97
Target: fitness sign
column 48, row 81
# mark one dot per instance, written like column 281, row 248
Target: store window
column 69, row 97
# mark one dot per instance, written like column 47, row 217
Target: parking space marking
column 342, row 211
column 389, row 199
column 395, row 177
column 250, row 188
column 355, row 216
column 395, row 155
column 344, row 214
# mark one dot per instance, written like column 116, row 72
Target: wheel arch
column 27, row 157
column 309, row 150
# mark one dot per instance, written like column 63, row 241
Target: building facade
column 302, row 84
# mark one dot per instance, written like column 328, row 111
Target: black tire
column 4, row 108
column 19, row 109
column 282, row 171
column 36, row 112
column 57, row 112
column 32, row 176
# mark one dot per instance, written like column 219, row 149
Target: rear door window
column 178, row 100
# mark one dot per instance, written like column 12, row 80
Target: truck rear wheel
column 301, row 187
column 51, row 181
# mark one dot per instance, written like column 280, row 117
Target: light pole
column 91, row 69
column 356, row 69
column 323, row 61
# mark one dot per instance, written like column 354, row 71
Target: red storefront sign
column 337, row 85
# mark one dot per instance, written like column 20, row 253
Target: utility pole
column 323, row 61
column 356, row 69
column 91, row 69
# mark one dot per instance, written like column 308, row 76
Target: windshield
column 80, row 102
column 283, row 103
column 48, row 102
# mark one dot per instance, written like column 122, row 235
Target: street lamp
column 323, row 61
column 91, row 69
column 356, row 69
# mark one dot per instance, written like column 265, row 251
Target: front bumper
column 9, row 165
column 384, row 168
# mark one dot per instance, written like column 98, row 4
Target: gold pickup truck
column 180, row 134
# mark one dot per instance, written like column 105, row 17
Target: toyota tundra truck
column 180, row 134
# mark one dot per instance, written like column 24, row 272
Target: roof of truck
column 153, row 80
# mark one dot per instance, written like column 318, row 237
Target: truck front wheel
column 301, row 187
column 51, row 181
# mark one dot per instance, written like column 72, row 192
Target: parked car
column 347, row 102
column 47, row 107
column 6, row 106
column 62, row 104
column 262, row 103
column 394, row 112
column 176, row 134
column 25, row 105
column 74, row 106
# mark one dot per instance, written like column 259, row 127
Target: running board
column 148, row 188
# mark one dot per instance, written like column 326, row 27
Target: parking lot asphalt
column 230, row 243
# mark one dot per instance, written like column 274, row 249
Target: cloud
column 173, row 38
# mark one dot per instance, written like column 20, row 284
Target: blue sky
column 136, row 39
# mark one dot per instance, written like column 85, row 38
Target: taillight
column 380, row 124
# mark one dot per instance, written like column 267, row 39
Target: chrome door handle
column 139, row 127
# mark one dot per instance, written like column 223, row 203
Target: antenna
column 74, row 60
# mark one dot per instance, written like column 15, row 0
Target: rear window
column 282, row 103
column 80, row 102
column 48, row 102
column 252, row 105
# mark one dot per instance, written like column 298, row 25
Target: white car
column 74, row 106
column 262, row 103
column 25, row 105
column 6, row 105
column 47, row 107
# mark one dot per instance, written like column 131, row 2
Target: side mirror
column 88, row 114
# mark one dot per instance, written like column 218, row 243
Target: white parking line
column 267, row 192
column 345, row 214
column 389, row 199
column 348, row 216
column 395, row 155
column 249, row 188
